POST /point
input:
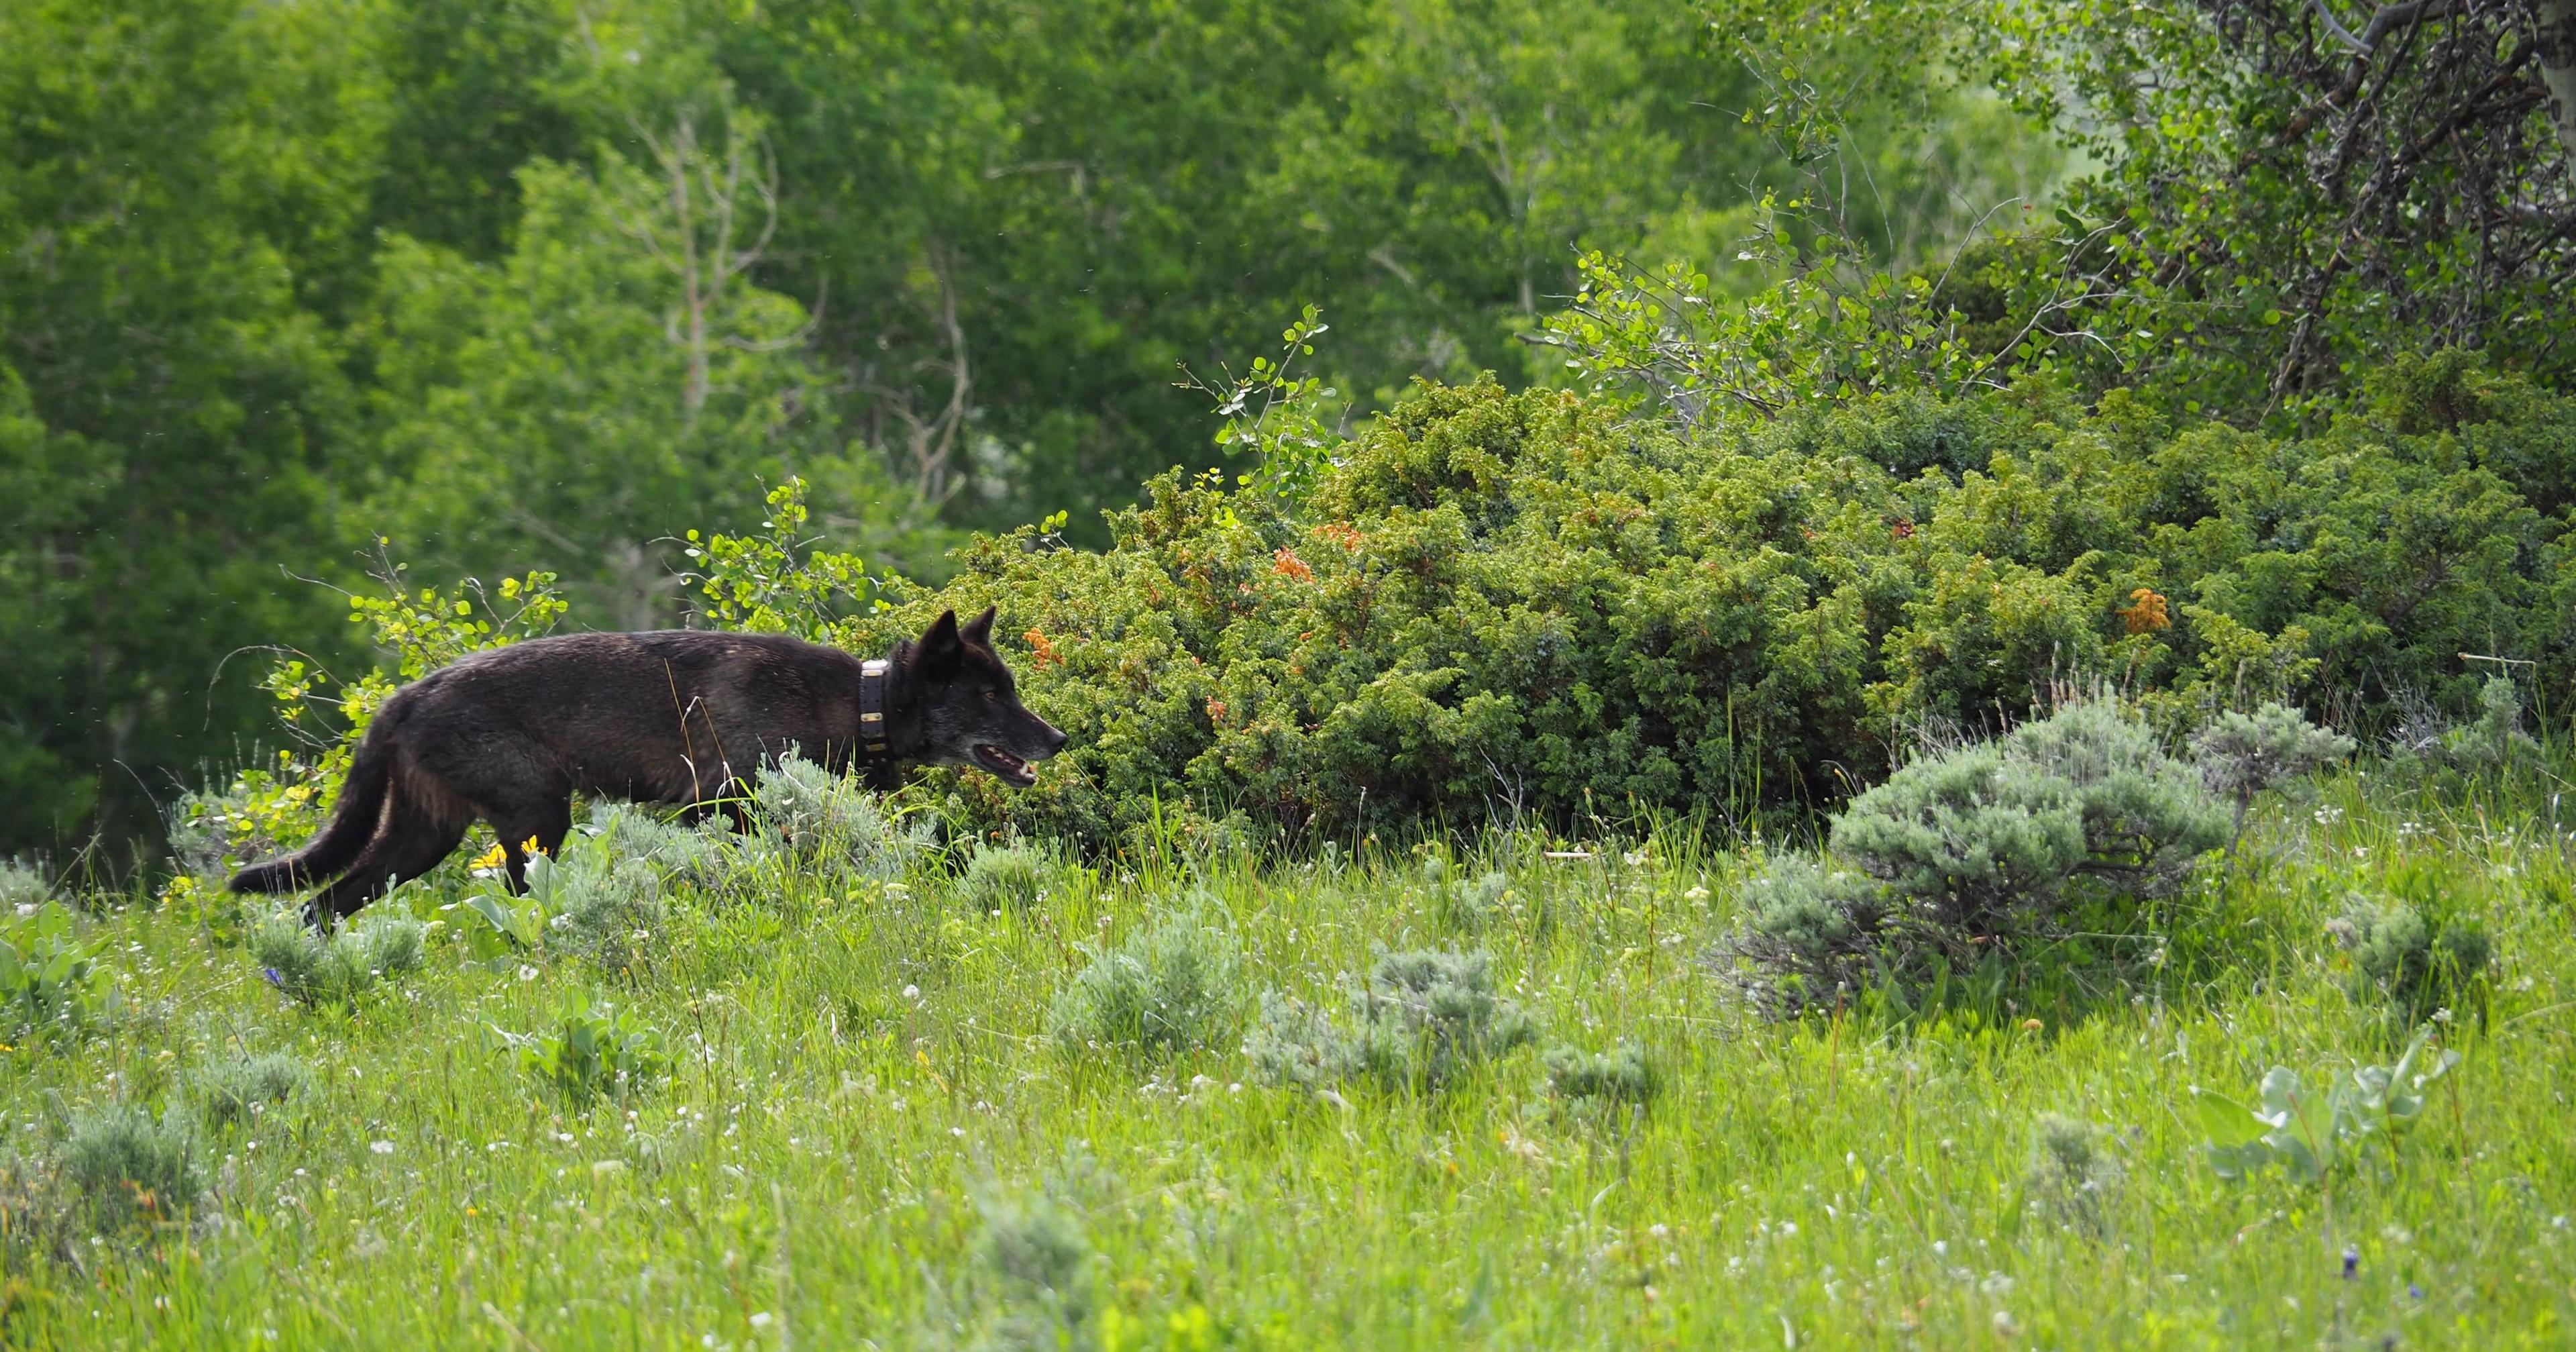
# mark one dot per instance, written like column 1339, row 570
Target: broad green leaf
column 2229, row 1124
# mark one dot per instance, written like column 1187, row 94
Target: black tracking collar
column 873, row 737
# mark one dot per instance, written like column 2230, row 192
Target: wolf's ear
column 979, row 630
column 940, row 647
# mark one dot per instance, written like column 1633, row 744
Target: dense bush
column 624, row 831
column 1501, row 604
column 1972, row 835
column 1981, row 855
column 2243, row 754
column 608, row 911
column 1538, row 606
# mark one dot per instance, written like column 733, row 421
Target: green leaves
column 1278, row 418
column 777, row 581
column 51, row 980
column 591, row 1051
column 519, row 924
column 2310, row 1131
column 2235, row 1133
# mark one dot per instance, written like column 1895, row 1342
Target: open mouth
column 1005, row 764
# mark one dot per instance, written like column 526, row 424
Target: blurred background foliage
column 537, row 284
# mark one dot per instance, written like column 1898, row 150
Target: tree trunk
column 2557, row 28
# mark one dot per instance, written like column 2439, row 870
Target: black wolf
column 676, row 716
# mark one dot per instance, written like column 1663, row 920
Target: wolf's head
column 969, row 707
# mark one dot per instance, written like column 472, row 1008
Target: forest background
column 290, row 292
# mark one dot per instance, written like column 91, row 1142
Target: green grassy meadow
column 866, row 1137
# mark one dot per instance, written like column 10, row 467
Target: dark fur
column 674, row 716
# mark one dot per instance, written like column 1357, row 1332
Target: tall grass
column 867, row 1136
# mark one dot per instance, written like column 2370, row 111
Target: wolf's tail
column 353, row 821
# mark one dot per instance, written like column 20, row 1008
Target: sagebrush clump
column 1809, row 928
column 2243, row 754
column 625, row 831
column 2412, row 961
column 1970, row 856
column 820, row 819
column 1003, row 877
column 605, row 907
column 2073, row 1175
column 1418, row 1020
column 237, row 1090
column 1170, row 987
column 314, row 970
column 23, row 885
column 1621, row 1075
column 130, row 1167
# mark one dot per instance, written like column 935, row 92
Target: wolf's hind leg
column 411, row 842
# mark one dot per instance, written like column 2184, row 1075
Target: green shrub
column 1986, row 840
column 2413, row 961
column 2073, row 1176
column 2243, row 754
column 695, row 854
column 817, row 819
column 1003, row 877
column 1979, row 854
column 1536, row 605
column 237, row 1090
column 1620, row 1075
column 1169, row 987
column 608, row 913
column 1034, row 1250
column 1540, row 606
column 314, row 970
column 23, row 886
column 1418, row 1020
column 1465, row 904
column 2496, row 739
column 50, row 977
column 1810, row 932
column 129, row 1167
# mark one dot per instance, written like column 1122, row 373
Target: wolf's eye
column 993, row 696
